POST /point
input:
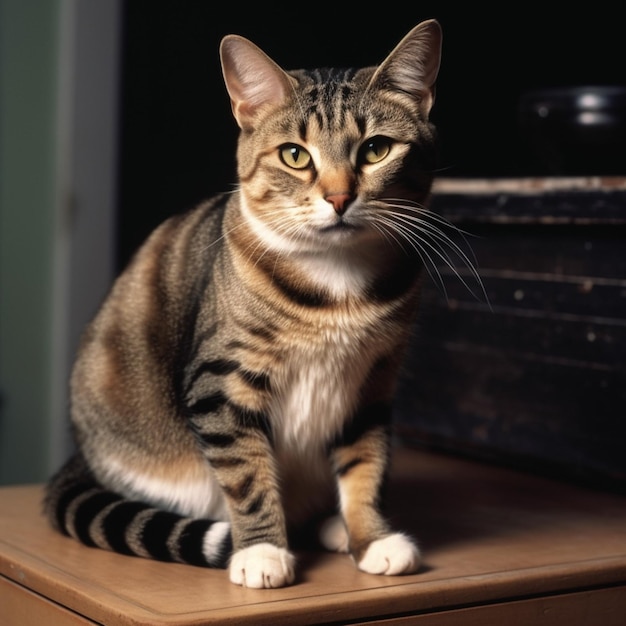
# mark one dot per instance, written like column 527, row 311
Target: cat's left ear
column 253, row 80
column 413, row 65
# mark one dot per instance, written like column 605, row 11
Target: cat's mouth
column 340, row 227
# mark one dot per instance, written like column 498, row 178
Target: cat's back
column 125, row 368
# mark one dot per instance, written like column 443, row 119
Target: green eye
column 294, row 156
column 375, row 149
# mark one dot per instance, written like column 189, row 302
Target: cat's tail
column 78, row 506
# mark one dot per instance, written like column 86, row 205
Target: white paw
column 394, row 554
column 262, row 566
column 334, row 535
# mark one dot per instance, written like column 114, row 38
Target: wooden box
column 532, row 372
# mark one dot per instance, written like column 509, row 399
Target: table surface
column 488, row 534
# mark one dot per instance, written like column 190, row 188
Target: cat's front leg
column 360, row 465
column 244, row 464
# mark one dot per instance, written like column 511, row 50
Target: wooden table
column 500, row 547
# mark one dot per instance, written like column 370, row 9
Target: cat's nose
column 340, row 201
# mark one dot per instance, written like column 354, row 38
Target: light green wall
column 28, row 152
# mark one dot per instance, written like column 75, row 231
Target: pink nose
column 339, row 201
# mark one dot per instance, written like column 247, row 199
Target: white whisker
column 414, row 241
column 438, row 241
column 424, row 230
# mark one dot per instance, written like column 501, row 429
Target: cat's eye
column 375, row 149
column 294, row 156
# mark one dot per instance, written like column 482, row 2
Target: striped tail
column 78, row 506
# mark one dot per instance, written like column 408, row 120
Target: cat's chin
column 340, row 233
column 322, row 240
column 345, row 229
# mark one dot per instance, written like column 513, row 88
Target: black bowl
column 575, row 130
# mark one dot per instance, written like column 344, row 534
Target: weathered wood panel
column 535, row 370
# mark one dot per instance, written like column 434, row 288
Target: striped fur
column 237, row 382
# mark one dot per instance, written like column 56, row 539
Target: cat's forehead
column 324, row 75
column 332, row 99
column 318, row 109
column 331, row 82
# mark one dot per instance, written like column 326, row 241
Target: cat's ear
column 413, row 65
column 253, row 80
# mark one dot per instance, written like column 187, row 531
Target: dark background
column 178, row 137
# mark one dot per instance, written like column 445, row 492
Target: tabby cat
column 237, row 381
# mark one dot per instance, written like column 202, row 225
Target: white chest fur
column 318, row 391
column 338, row 274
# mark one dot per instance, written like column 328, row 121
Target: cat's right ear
column 253, row 80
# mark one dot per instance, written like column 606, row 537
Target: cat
column 237, row 381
